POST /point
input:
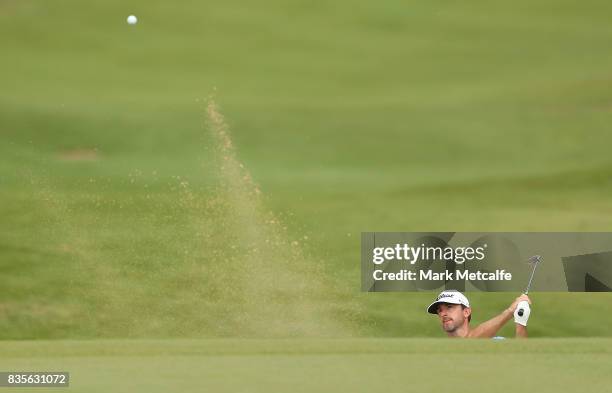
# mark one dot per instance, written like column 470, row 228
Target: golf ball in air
column 131, row 20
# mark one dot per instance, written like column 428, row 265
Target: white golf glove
column 521, row 314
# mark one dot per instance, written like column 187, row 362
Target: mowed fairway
column 350, row 116
column 365, row 365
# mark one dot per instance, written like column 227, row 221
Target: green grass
column 364, row 365
column 352, row 116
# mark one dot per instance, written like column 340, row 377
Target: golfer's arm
column 490, row 327
column 521, row 331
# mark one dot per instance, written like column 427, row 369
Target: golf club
column 534, row 260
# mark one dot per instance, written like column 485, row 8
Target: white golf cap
column 452, row 297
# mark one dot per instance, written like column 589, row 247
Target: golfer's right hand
column 519, row 299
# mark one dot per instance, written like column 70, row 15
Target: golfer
column 455, row 313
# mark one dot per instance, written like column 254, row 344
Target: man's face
column 452, row 316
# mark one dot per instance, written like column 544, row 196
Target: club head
column 534, row 260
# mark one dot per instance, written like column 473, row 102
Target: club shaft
column 535, row 266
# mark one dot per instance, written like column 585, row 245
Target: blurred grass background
column 355, row 365
column 351, row 116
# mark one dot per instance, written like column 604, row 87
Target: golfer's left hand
column 522, row 312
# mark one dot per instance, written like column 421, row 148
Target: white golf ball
column 132, row 20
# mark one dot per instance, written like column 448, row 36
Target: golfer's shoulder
column 477, row 333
